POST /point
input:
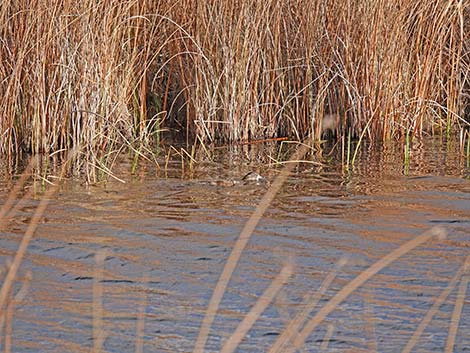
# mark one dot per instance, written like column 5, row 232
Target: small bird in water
column 253, row 176
column 250, row 178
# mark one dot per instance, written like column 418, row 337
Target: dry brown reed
column 74, row 75
column 99, row 334
column 310, row 302
column 326, row 339
column 28, row 235
column 264, row 69
column 262, row 303
column 240, row 245
column 7, row 317
column 369, row 322
column 103, row 76
column 457, row 313
column 434, row 308
column 8, row 323
column 298, row 340
column 140, row 325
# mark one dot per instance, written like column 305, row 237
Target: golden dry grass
column 109, row 76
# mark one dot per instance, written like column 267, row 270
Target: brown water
column 167, row 238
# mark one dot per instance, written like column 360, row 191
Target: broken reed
column 106, row 75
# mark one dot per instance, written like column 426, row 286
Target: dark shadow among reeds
column 110, row 76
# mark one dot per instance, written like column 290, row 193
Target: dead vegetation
column 110, row 76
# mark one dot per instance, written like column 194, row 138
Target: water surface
column 167, row 234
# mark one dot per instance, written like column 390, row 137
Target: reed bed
column 109, row 76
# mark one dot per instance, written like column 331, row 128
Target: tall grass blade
column 293, row 328
column 98, row 327
column 240, row 244
column 327, row 338
column 28, row 235
column 433, row 310
column 140, row 325
column 260, row 306
column 12, row 196
column 456, row 314
column 370, row 324
column 361, row 279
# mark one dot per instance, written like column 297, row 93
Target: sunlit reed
column 457, row 313
column 240, row 245
column 109, row 76
column 364, row 276
column 326, row 339
column 140, row 324
column 309, row 304
column 97, row 305
column 433, row 310
column 252, row 316
column 28, row 235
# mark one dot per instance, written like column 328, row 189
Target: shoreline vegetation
column 104, row 77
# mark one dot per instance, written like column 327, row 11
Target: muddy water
column 166, row 238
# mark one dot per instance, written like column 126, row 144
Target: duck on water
column 249, row 178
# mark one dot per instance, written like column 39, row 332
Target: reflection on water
column 167, row 238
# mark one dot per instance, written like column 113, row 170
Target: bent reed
column 105, row 76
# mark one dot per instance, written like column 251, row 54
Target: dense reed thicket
column 105, row 75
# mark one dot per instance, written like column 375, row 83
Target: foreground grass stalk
column 261, row 305
column 240, row 244
column 311, row 301
column 140, row 325
column 7, row 317
column 327, row 338
column 370, row 322
column 28, row 235
column 98, row 328
column 435, row 307
column 9, row 323
column 7, row 207
column 300, row 339
column 456, row 314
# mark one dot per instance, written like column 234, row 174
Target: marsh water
column 167, row 232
